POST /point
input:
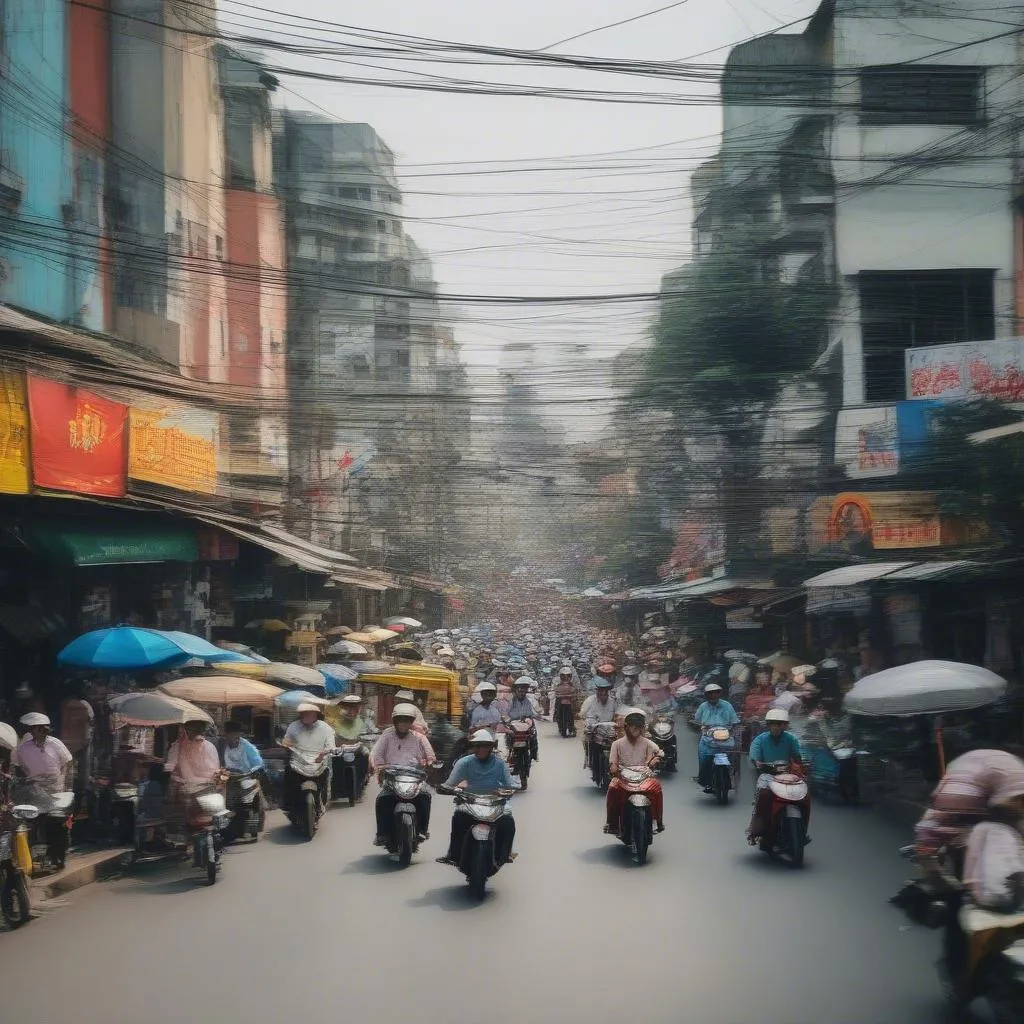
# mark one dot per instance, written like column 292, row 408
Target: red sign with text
column 78, row 440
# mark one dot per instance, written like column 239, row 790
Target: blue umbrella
column 292, row 698
column 338, row 677
column 130, row 648
column 124, row 648
column 197, row 647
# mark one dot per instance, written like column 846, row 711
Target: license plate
column 722, row 759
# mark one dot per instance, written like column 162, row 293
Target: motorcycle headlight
column 485, row 812
column 406, row 789
column 662, row 729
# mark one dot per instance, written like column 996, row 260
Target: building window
column 242, row 343
column 348, row 192
column 365, row 194
column 930, row 94
column 327, row 254
column 219, row 245
column 382, row 226
column 307, row 247
column 900, row 310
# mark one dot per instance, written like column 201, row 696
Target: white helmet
column 712, row 688
column 777, row 715
column 404, row 711
column 34, row 718
column 523, row 681
column 482, row 736
column 487, row 688
column 307, row 707
column 635, row 713
column 565, row 670
column 404, row 695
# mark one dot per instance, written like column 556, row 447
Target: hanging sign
column 14, row 465
column 174, row 446
column 78, row 439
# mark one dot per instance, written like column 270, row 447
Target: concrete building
column 167, row 189
column 36, row 221
column 256, row 285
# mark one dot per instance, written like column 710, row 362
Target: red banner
column 78, row 440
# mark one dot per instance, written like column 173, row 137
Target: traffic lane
column 708, row 930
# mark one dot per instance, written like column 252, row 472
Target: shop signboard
column 970, row 370
column 14, row 458
column 858, row 523
column 173, row 445
column 78, row 439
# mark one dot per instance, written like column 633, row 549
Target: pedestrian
column 77, row 720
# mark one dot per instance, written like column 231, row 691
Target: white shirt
column 318, row 737
column 593, row 711
column 49, row 759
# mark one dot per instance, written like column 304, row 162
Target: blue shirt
column 481, row 776
column 243, row 758
column 721, row 714
column 767, row 749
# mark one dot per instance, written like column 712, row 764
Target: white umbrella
column 925, row 688
column 8, row 737
column 151, row 708
column 348, row 647
column 403, row 620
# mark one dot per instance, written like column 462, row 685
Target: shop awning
column 919, row 572
column 77, row 546
column 696, row 588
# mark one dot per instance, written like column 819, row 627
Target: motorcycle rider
column 349, row 726
column 315, row 739
column 600, row 706
column 629, row 751
column 564, row 687
column 44, row 760
column 407, row 697
column 714, row 712
column 401, row 746
column 480, row 771
column 777, row 744
column 521, row 707
column 486, row 714
column 627, row 692
column 238, row 754
column 192, row 760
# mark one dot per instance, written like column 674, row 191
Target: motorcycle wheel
column 479, row 870
column 406, row 839
column 721, row 785
column 794, row 841
column 524, row 770
column 309, row 816
column 641, row 837
column 15, row 902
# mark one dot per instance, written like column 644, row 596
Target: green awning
column 88, row 547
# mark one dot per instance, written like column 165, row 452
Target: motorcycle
column 637, row 831
column 601, row 740
column 723, row 767
column 565, row 716
column 346, row 783
column 306, row 806
column 834, row 771
column 207, row 832
column 16, row 864
column 478, row 857
column 55, row 808
column 247, row 804
column 785, row 834
column 405, row 783
column 996, row 976
column 520, row 735
column 663, row 732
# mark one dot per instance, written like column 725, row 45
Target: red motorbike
column 521, row 736
column 785, row 833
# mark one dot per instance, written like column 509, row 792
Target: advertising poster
column 174, row 446
column 78, row 439
column 14, row 467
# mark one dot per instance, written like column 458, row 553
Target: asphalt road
column 708, row 932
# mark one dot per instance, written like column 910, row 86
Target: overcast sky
column 614, row 216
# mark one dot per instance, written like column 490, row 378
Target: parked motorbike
column 306, row 807
column 723, row 767
column 565, row 716
column 478, row 860
column 16, row 863
column 347, row 781
column 405, row 783
column 520, row 735
column 663, row 732
column 49, row 835
column 637, row 831
column 601, row 741
column 247, row 804
column 982, row 954
column 785, row 834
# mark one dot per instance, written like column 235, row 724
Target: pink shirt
column 49, row 759
column 632, row 755
column 193, row 760
column 409, row 750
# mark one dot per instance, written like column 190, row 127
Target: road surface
column 708, row 932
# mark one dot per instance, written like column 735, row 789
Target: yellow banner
column 14, row 457
column 174, row 446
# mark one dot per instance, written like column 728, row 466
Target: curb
column 80, row 870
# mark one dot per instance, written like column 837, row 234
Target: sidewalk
column 84, row 865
